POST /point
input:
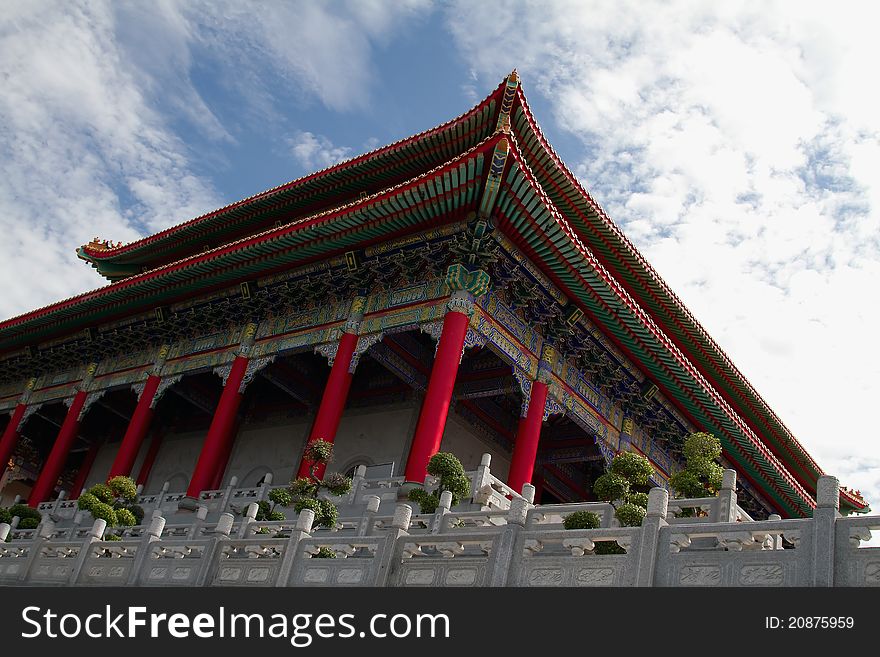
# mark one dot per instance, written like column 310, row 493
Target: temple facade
column 455, row 291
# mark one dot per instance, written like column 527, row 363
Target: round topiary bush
column 630, row 515
column 702, row 475
column 635, row 468
column 611, row 486
column 582, row 520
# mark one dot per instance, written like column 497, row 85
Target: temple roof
column 439, row 176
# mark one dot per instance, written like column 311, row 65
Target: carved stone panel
column 700, row 576
column 762, row 575
column 594, row 577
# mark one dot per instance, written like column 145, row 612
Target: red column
column 136, row 431
column 223, row 462
column 219, row 432
column 333, row 401
column 55, row 463
column 150, row 457
column 435, row 407
column 522, row 464
column 84, row 471
column 10, row 437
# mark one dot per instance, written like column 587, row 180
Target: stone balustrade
column 472, row 544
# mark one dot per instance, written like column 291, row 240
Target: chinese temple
column 458, row 290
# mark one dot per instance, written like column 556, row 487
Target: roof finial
column 514, row 76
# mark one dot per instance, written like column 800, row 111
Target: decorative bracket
column 459, row 279
column 223, row 371
column 30, row 410
column 91, row 398
column 253, row 367
column 364, row 342
column 472, row 338
column 525, row 386
column 552, row 407
column 328, row 350
column 164, row 384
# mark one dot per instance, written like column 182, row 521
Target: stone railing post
column 224, row 525
column 304, row 522
column 392, row 548
column 357, row 483
column 62, row 495
column 774, row 542
column 442, row 509
column 367, row 522
column 725, row 508
column 505, row 555
column 152, row 535
column 222, row 532
column 649, row 537
column 250, row 517
column 227, row 494
column 528, row 493
column 96, row 533
column 263, row 495
column 198, row 523
column 822, row 544
column 5, row 528
column 46, row 528
column 483, row 475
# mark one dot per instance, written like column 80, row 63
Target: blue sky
column 737, row 144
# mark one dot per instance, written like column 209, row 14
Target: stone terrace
column 496, row 538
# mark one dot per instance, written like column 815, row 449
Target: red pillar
column 136, row 431
column 333, row 401
column 522, row 464
column 150, row 457
column 223, row 462
column 435, row 407
column 55, row 463
column 10, row 436
column 219, row 432
column 84, row 471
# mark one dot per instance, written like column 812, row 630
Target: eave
column 333, row 186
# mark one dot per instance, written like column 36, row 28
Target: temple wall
column 369, row 436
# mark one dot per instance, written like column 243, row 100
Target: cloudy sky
column 737, row 144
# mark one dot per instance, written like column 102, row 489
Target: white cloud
column 324, row 48
column 737, row 145
column 316, row 151
column 85, row 154
column 93, row 97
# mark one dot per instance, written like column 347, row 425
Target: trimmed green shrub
column 702, row 475
column 304, row 492
column 450, row 475
column 624, row 486
column 113, row 502
column 582, row 520
column 630, row 515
